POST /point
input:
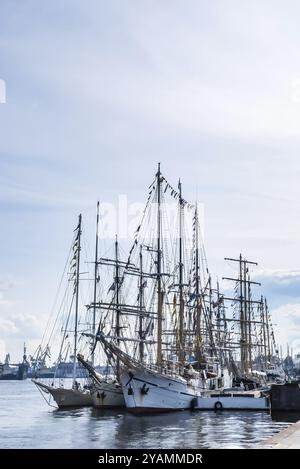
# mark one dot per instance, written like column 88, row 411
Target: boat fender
column 218, row 405
column 144, row 389
column 194, row 402
column 130, row 391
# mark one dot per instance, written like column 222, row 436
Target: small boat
column 66, row 397
column 245, row 400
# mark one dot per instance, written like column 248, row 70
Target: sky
column 98, row 92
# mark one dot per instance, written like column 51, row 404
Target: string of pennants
column 175, row 194
column 272, row 329
column 74, row 260
column 234, row 317
column 152, row 188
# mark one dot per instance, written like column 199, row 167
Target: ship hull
column 42, row 375
column 11, row 377
column 15, row 375
column 65, row 398
column 147, row 391
column 285, row 397
column 107, row 395
column 232, row 403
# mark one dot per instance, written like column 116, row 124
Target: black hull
column 40, row 375
column 285, row 397
column 12, row 378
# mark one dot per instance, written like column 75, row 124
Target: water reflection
column 72, row 412
column 187, row 429
column 289, row 417
column 106, row 413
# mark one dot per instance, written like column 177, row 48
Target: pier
column 286, row 439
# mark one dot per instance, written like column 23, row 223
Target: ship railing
column 164, row 370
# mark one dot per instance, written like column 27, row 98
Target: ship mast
column 243, row 338
column 118, row 311
column 267, row 330
column 95, row 283
column 263, row 333
column 218, row 320
column 245, row 305
column 248, row 306
column 158, row 271
column 76, row 299
column 141, row 298
column 197, row 278
column 181, row 303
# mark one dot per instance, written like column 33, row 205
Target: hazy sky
column 99, row 91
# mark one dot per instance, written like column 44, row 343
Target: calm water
column 28, row 422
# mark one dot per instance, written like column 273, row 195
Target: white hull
column 107, row 395
column 67, row 397
column 231, row 403
column 146, row 390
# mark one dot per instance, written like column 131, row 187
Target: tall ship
column 67, row 394
column 174, row 340
column 105, row 387
column 167, row 337
column 162, row 339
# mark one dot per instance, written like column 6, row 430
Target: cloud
column 98, row 93
column 15, row 325
column 286, row 321
column 279, row 275
column 279, row 283
column 7, row 327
